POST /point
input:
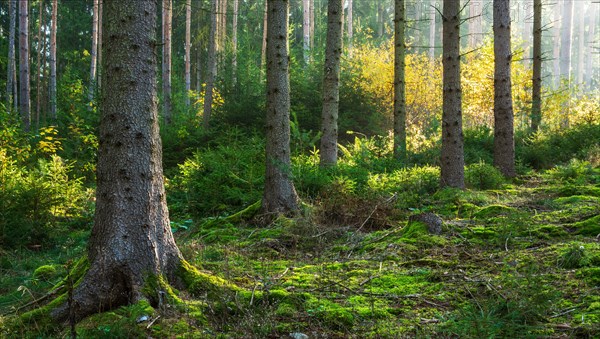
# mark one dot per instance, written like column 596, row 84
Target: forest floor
column 521, row 261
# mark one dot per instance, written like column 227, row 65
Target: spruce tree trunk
column 94, row 53
column 452, row 159
column 504, row 142
column 536, row 106
column 52, row 86
column 350, row 27
column 38, row 87
column 565, row 56
column 399, row 83
column 380, row 21
column 279, row 193
column 475, row 29
column 211, row 66
column 306, row 29
column 167, row 13
column 331, row 84
column 11, row 67
column 263, row 51
column 312, row 23
column 592, row 51
column 188, row 45
column 432, row 16
column 581, row 48
column 556, row 42
column 234, row 41
column 99, row 63
column 131, row 238
column 24, row 89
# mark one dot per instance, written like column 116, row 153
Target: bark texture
column 556, row 42
column 188, row 46
column 350, row 27
column 131, row 239
column 279, row 193
column 504, row 141
column 452, row 159
column 52, row 86
column 592, row 49
column 580, row 47
column 211, row 66
column 432, row 16
column 331, row 84
column 306, row 30
column 399, row 83
column 167, row 20
column 536, row 97
column 94, row 53
column 11, row 67
column 565, row 55
column 24, row 89
column 475, row 27
column 38, row 97
column 234, row 42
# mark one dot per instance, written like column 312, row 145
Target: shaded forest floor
column 521, row 261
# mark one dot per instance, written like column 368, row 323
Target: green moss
column 199, row 283
column 414, row 229
column 492, row 211
column 45, row 272
column 157, row 289
column 589, row 227
column 590, row 275
column 549, row 231
column 331, row 314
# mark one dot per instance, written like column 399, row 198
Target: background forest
column 515, row 257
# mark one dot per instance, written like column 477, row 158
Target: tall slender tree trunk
column 592, row 50
column 581, row 48
column 38, row 97
column 475, row 27
column 432, row 16
column 94, row 54
column 312, row 23
column 350, row 27
column 263, row 51
column 52, row 87
column 452, row 158
column 131, row 240
column 399, row 82
column 188, row 46
column 234, row 41
column 380, row 21
column 99, row 63
column 565, row 55
column 279, row 193
column 211, row 66
column 526, row 30
column 331, row 84
column 166, row 62
column 536, row 106
column 556, row 42
column 11, row 67
column 306, row 29
column 24, row 96
column 504, row 141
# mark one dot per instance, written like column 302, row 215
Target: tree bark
column 131, row 238
column 399, row 83
column 331, row 84
column 38, row 97
column 52, row 86
column 234, row 41
column 94, row 53
column 504, row 142
column 279, row 193
column 312, row 23
column 380, row 21
column 24, row 95
column 306, row 29
column 526, row 30
column 475, row 29
column 167, row 13
column 188, row 45
column 99, row 62
column 581, row 47
column 536, row 106
column 11, row 67
column 556, row 42
column 432, row 16
column 263, row 51
column 452, row 158
column 565, row 55
column 592, row 49
column 350, row 27
column 211, row 66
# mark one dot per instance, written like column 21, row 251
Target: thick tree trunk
column 350, row 27
column 306, row 29
column 399, row 83
column 131, row 239
column 536, row 106
column 432, row 16
column 234, row 42
column 331, row 84
column 211, row 66
column 188, row 45
column 11, row 67
column 52, row 86
column 452, row 159
column 279, row 193
column 24, row 95
column 504, row 142
column 565, row 55
column 167, row 13
column 94, row 53
column 475, row 28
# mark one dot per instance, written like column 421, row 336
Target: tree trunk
column 380, row 21
column 581, row 48
column 188, row 45
column 556, row 43
column 312, row 23
column 263, row 51
column 211, row 66
column 432, row 16
column 592, row 50
column 504, row 141
column 475, row 29
column 306, row 29
column 234, row 41
column 331, row 84
column 131, row 238
column 94, row 53
column 11, row 67
column 24, row 96
column 399, row 83
column 52, row 86
column 99, row 62
column 536, row 97
column 452, row 159
column 38, row 97
column 166, row 61
column 526, row 16
column 279, row 193
column 565, row 55
column 350, row 27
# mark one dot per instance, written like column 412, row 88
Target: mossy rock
column 493, row 211
column 588, row 227
column 45, row 272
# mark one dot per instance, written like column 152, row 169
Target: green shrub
column 574, row 257
column 483, row 176
column 576, row 171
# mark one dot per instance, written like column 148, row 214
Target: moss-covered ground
column 520, row 261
